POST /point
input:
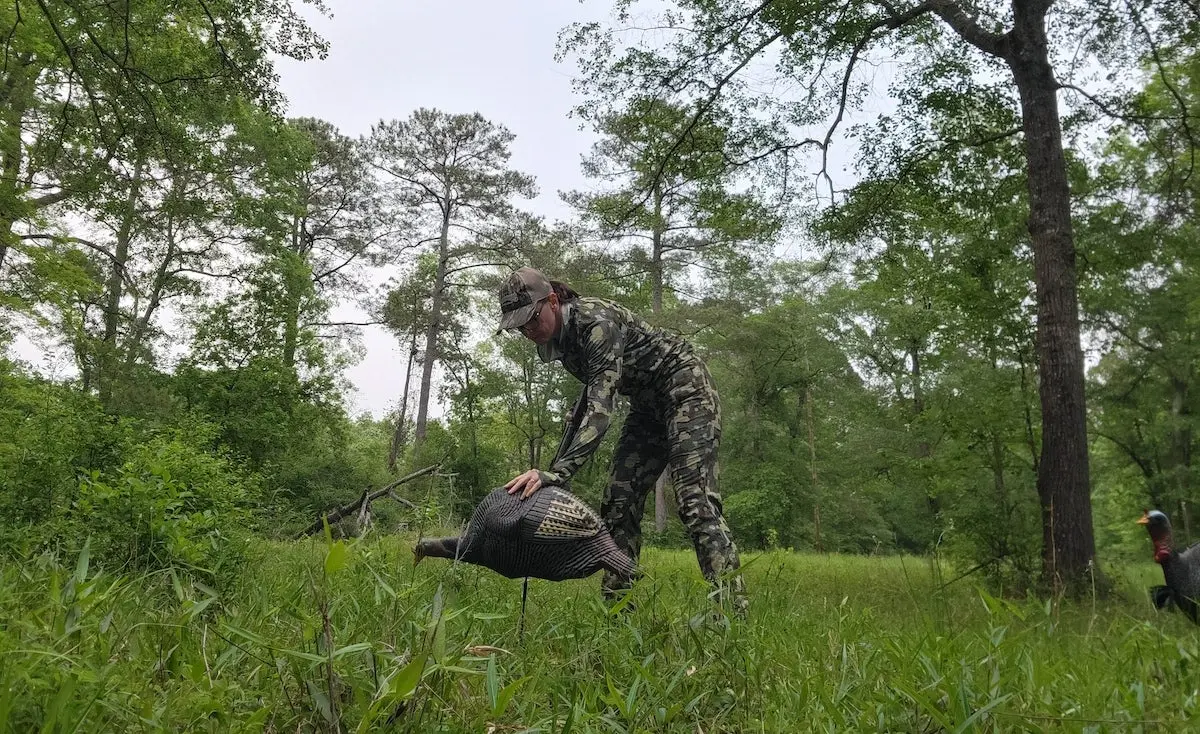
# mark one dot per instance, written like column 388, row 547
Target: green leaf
column 435, row 633
column 335, row 558
column 631, row 697
column 570, row 721
column 382, row 584
column 500, row 704
column 176, row 585
column 488, row 616
column 409, row 676
column 81, row 566
column 57, row 707
column 356, row 647
column 195, row 608
column 322, row 701
column 929, row 707
column 493, row 681
column 966, row 724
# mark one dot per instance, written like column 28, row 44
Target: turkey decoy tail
column 620, row 564
column 1161, row 596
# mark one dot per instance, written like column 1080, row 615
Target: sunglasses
column 537, row 312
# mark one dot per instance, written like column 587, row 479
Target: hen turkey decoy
column 1181, row 569
column 553, row 535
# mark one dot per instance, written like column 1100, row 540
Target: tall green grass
column 350, row 637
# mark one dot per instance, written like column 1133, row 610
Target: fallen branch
column 366, row 498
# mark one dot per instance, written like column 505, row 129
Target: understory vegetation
column 347, row 636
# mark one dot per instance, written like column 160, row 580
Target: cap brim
column 519, row 317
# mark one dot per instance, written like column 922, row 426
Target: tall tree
column 726, row 56
column 676, row 202
column 678, row 210
column 452, row 170
column 405, row 312
column 334, row 227
column 159, row 224
column 1139, row 212
column 79, row 81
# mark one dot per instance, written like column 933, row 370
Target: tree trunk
column 8, row 200
column 137, row 334
column 13, row 103
column 923, row 449
column 293, row 286
column 399, row 437
column 1027, row 411
column 660, row 502
column 918, row 394
column 431, row 336
column 656, row 306
column 1069, row 548
column 471, row 415
column 812, row 468
column 115, row 291
column 1181, row 451
column 141, row 324
column 535, row 438
column 656, row 256
column 291, row 327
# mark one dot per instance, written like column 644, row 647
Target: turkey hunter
column 673, row 421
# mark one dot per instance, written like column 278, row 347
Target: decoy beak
column 1144, row 519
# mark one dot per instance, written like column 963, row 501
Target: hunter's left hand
column 526, row 484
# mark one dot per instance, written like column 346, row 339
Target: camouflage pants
column 683, row 436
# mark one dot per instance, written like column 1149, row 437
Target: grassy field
column 314, row 637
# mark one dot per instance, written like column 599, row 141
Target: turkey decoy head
column 436, row 547
column 1159, row 527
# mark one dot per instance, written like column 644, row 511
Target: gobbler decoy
column 1181, row 569
column 552, row 535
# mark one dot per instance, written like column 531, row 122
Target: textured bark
column 14, row 95
column 115, row 288
column 431, row 336
column 400, row 436
column 1069, row 548
column 656, row 305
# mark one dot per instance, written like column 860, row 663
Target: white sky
column 388, row 58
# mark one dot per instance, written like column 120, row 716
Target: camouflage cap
column 519, row 294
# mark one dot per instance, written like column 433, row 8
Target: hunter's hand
column 526, row 484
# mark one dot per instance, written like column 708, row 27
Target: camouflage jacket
column 612, row 350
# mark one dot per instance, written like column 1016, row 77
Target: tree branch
column 77, row 240
column 1143, row 464
column 49, row 199
column 364, row 498
column 703, row 109
column 970, row 31
column 308, row 324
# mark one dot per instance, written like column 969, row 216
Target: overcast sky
column 388, row 58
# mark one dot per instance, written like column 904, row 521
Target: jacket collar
column 555, row 348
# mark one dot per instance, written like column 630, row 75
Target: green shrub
column 173, row 502
column 47, row 432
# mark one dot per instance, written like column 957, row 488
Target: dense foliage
column 186, row 245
